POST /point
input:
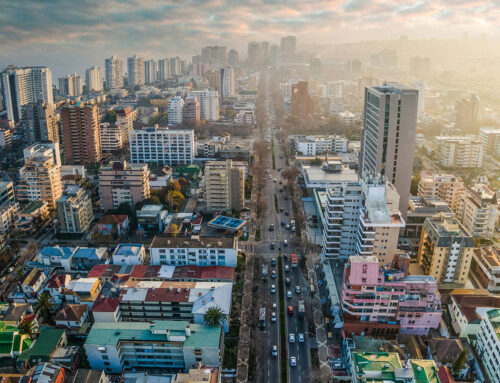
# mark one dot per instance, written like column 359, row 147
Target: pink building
column 379, row 300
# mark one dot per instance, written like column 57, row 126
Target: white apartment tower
column 21, row 86
column 227, row 82
column 174, row 110
column 209, row 103
column 478, row 210
column 93, row 79
column 114, row 72
column 136, row 70
column 71, row 85
column 459, row 151
column 150, row 69
column 163, row 69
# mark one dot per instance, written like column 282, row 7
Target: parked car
column 290, row 310
column 287, row 268
column 287, row 281
column 273, row 274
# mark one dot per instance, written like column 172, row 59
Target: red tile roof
column 445, row 375
column 104, row 305
column 468, row 304
column 71, row 312
column 110, row 219
column 144, row 271
column 167, row 295
column 97, row 271
column 56, row 281
column 203, row 272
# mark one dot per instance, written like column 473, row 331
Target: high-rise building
column 111, row 137
column 213, row 79
column 114, row 72
column 40, row 177
column 420, row 66
column 466, row 115
column 6, row 192
column 490, row 139
column 264, row 49
column 191, row 111
column 174, row 110
column 121, row 182
column 93, row 79
column 459, row 151
column 80, row 132
column 353, row 69
column 209, row 103
column 163, row 69
column 162, row 146
column 274, row 54
column 39, row 122
column 74, row 210
column 214, row 55
column 21, row 86
column 5, row 138
column 446, row 187
column 445, row 250
column 366, row 82
column 388, row 137
column 224, row 186
column 125, row 120
column 150, row 69
column 488, row 342
column 227, row 82
column 301, row 103
column 200, row 68
column 136, row 70
column 478, row 210
column 385, row 59
column 233, row 58
column 254, row 59
column 71, row 85
column 175, row 66
column 287, row 45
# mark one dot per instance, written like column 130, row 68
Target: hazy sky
column 70, row 35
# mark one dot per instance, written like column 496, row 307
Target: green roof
column 32, row 206
column 9, row 338
column 44, row 345
column 110, row 333
column 383, row 363
column 425, row 371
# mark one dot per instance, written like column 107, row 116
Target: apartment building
column 209, row 103
column 490, row 140
column 111, row 137
column 227, row 82
column 445, row 250
column 136, row 70
column 301, row 103
column 385, row 301
column 6, row 192
column 121, row 182
column 200, row 251
column 485, row 267
column 113, row 67
column 8, row 216
column 70, row 85
column 5, row 138
column 224, row 186
column 162, row 146
column 174, row 110
column 80, row 131
column 478, row 210
column 488, row 343
column 125, row 120
column 315, row 145
column 167, row 345
column 40, row 122
column 74, row 210
column 459, row 151
column 447, row 187
column 191, row 111
column 93, row 79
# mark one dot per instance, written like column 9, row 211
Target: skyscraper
column 39, row 122
column 114, row 72
column 388, row 137
column 80, row 131
column 174, row 110
column 466, row 115
column 287, row 45
column 175, row 66
column 264, row 49
column 233, row 58
column 93, row 79
column 214, row 55
column 191, row 111
column 71, row 85
column 274, row 53
column 301, row 102
column 163, row 69
column 227, row 82
column 136, row 71
column 20, row 86
column 209, row 103
column 150, row 68
column 254, row 55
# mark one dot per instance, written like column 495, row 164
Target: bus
column 293, row 259
column 262, row 317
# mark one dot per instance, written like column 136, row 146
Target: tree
column 109, row 116
column 27, row 327
column 160, row 119
column 44, row 305
column 175, row 199
column 459, row 364
column 317, row 161
column 173, row 229
column 290, row 174
column 184, row 183
column 215, row 317
column 153, row 200
column 414, row 184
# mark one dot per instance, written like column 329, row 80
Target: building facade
column 315, row 145
column 39, row 122
column 490, row 140
column 71, row 85
column 447, row 187
column 209, row 103
column 113, row 67
column 74, row 210
column 174, row 110
column 488, row 343
column 111, row 137
column 191, row 111
column 150, row 71
column 136, row 71
column 301, row 103
column 478, row 210
column 227, row 82
column 459, row 151
column 93, row 79
column 224, row 186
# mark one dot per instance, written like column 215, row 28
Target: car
column 269, row 177
column 288, row 227
column 287, row 268
column 273, row 261
column 286, row 212
column 290, row 310
column 273, row 317
column 281, row 183
column 293, row 361
column 283, row 223
column 271, row 227
column 275, row 305
column 273, row 245
column 275, row 180
column 287, row 281
column 297, row 289
column 288, row 294
column 291, row 337
column 281, row 209
column 268, row 171
column 273, row 274
column 273, row 289
column 301, row 337
column 274, row 351
column 286, row 198
column 285, row 242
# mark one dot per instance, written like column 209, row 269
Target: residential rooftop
column 194, row 242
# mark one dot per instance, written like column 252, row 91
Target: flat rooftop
column 194, row 242
column 316, row 175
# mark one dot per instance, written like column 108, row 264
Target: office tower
column 136, row 71
column 446, row 187
column 114, row 72
column 40, row 177
column 93, row 79
column 121, row 182
column 254, row 59
column 301, row 104
column 233, row 58
column 388, row 137
column 209, row 103
column 478, row 210
column 162, row 146
column 227, row 82
column 175, row 66
column 459, row 151
column 287, row 45
column 386, row 59
column 466, row 110
column 420, row 66
column 150, row 68
column 39, row 122
column 490, row 140
column 71, row 85
column 80, row 131
column 191, row 111
column 264, row 49
column 74, row 210
column 224, row 186
column 445, row 250
column 174, row 110
column 214, row 55
column 163, row 69
column 20, row 86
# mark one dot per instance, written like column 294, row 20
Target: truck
column 263, row 274
column 262, row 317
column 301, row 309
column 293, row 260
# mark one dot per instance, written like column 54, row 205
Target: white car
column 273, row 289
column 291, row 338
column 275, row 305
column 287, row 269
column 273, row 318
column 293, row 361
column 301, row 337
column 274, row 352
column 288, row 294
column 269, row 177
column 297, row 289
